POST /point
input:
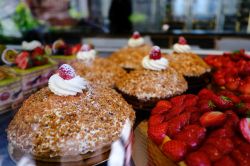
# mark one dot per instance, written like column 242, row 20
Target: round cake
column 96, row 69
column 130, row 57
column 68, row 122
column 155, row 81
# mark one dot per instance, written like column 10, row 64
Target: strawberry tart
column 70, row 120
column 193, row 68
column 96, row 69
column 156, row 80
column 207, row 129
column 130, row 57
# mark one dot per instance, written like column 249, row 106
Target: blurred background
column 205, row 23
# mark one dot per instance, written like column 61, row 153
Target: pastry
column 156, row 80
column 96, row 69
column 130, row 56
column 194, row 69
column 69, row 120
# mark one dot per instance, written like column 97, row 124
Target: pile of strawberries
column 231, row 71
column 205, row 129
column 27, row 59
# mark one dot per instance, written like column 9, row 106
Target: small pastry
column 155, row 81
column 69, row 120
column 130, row 56
column 96, row 69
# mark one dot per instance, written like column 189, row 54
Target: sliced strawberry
column 164, row 103
column 177, row 123
column 245, row 128
column 155, row 53
column 206, row 105
column 224, row 145
column 212, row 152
column 155, row 120
column 159, row 110
column 66, row 72
column 136, row 35
column 214, row 118
column 175, row 150
column 225, row 161
column 198, row 158
column 222, row 102
column 192, row 135
column 158, row 132
column 182, row 40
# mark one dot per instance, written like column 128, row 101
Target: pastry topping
column 136, row 40
column 31, row 45
column 65, row 82
column 154, row 61
column 22, row 60
column 86, row 53
column 182, row 46
column 245, row 128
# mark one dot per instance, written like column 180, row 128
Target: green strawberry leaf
column 226, row 98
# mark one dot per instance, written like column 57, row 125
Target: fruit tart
column 11, row 94
column 156, row 80
column 69, row 121
column 130, row 56
column 194, row 69
column 62, row 52
column 96, row 69
column 31, row 64
column 204, row 129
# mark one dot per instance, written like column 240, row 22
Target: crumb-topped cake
column 156, row 80
column 130, row 56
column 96, row 69
column 70, row 117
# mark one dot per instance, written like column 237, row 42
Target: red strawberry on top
column 245, row 128
column 155, row 53
column 136, row 35
column 214, row 118
column 86, row 48
column 182, row 40
column 22, row 60
column 66, row 72
column 158, row 132
column 38, row 51
column 198, row 158
column 175, row 149
column 226, row 161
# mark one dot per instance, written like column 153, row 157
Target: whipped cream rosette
column 65, row 82
column 31, row 45
column 136, row 40
column 86, row 53
column 154, row 61
column 182, row 46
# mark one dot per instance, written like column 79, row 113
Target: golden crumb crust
column 149, row 84
column 129, row 57
column 48, row 125
column 188, row 64
column 100, row 71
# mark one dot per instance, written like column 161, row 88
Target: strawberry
column 198, row 158
column 192, row 135
column 23, row 60
column 159, row 110
column 232, row 84
column 244, row 87
column 155, row 120
column 158, row 132
column 190, row 100
column 206, row 94
column 235, row 99
column 175, row 150
column 37, row 51
column 164, row 103
column 232, row 120
column 74, row 49
column 136, row 35
column 191, row 109
column 155, row 53
column 224, row 145
column 182, row 40
column 245, row 149
column 195, row 117
column 222, row 133
column 40, row 60
column 206, row 105
column 212, row 152
column 176, row 110
column 245, row 128
column 240, row 158
column 177, row 123
column 66, row 72
column 178, row 100
column 226, row 161
column 245, row 98
column 222, row 102
column 214, row 118
column 243, row 108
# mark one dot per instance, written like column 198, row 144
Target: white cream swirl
column 62, row 87
column 158, row 64
column 181, row 48
column 31, row 45
column 86, row 55
column 136, row 42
